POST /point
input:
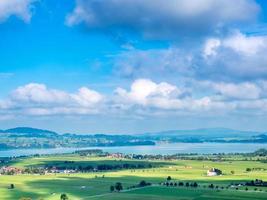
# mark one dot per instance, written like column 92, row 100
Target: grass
column 49, row 187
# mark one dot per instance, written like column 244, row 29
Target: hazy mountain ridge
column 27, row 137
column 219, row 132
column 197, row 132
column 208, row 135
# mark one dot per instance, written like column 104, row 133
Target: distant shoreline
column 129, row 145
column 164, row 149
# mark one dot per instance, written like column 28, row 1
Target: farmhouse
column 214, row 172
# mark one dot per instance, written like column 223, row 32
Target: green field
column 93, row 186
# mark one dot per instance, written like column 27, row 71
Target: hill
column 29, row 132
column 27, row 137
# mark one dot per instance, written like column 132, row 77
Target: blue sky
column 129, row 66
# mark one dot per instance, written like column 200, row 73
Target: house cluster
column 6, row 170
column 116, row 155
column 214, row 172
column 55, row 170
column 10, row 170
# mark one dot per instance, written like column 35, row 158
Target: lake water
column 165, row 149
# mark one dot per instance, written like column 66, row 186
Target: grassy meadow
column 93, row 185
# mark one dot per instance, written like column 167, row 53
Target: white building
column 214, row 172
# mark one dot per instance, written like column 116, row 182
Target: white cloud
column 160, row 18
column 145, row 97
column 38, row 93
column 248, row 45
column 37, row 99
column 86, row 97
column 218, row 98
column 237, row 42
column 149, row 94
column 144, row 92
column 225, row 56
column 19, row 8
column 236, row 56
column 238, row 91
column 210, row 47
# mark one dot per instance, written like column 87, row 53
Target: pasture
column 96, row 185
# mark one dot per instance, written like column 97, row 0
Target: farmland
column 96, row 184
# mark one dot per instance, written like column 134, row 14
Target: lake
column 164, row 149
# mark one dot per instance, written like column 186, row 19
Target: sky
column 133, row 66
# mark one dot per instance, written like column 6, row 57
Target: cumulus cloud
column 236, row 56
column 162, row 19
column 231, row 56
column 20, row 8
column 37, row 99
column 144, row 92
column 238, row 91
column 144, row 97
column 246, row 45
column 150, row 97
column 148, row 94
column 38, row 93
column 237, row 42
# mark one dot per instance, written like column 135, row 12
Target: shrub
column 112, row 188
column 64, row 197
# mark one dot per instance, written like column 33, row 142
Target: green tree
column 64, row 197
column 118, row 186
column 169, row 178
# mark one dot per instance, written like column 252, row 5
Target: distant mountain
column 26, row 137
column 209, row 132
column 262, row 138
column 28, row 131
